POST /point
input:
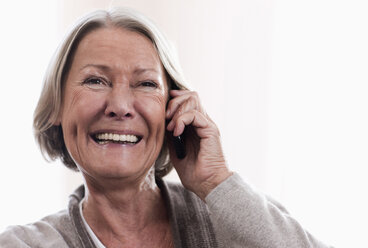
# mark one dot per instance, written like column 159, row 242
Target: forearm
column 244, row 218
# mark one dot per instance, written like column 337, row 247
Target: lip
column 126, row 132
column 114, row 131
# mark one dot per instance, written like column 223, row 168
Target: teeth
column 104, row 137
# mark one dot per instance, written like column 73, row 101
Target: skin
column 117, row 84
column 204, row 167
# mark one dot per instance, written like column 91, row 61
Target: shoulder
column 52, row 231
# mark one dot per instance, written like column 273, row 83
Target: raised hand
column 204, row 166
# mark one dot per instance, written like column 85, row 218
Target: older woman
column 113, row 105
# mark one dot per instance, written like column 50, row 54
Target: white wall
column 317, row 126
column 284, row 80
column 27, row 42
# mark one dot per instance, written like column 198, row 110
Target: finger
column 186, row 106
column 175, row 93
column 192, row 117
column 179, row 97
column 179, row 100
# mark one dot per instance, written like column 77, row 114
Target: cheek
column 153, row 109
column 81, row 107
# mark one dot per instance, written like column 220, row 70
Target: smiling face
column 113, row 111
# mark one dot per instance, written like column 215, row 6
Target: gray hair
column 50, row 136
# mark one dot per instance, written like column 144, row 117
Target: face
column 113, row 111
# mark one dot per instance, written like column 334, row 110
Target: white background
column 285, row 80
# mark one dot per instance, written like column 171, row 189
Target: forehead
column 117, row 46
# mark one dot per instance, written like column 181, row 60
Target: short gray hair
column 50, row 136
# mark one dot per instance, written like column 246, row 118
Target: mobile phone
column 179, row 146
column 178, row 141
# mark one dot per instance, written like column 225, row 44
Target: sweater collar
column 188, row 215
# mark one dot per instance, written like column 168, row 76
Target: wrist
column 206, row 187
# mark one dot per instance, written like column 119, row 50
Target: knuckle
column 180, row 112
column 173, row 105
column 193, row 112
column 195, row 94
column 193, row 101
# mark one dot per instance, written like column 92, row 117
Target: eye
column 148, row 84
column 95, row 81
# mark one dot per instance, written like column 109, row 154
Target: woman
column 113, row 106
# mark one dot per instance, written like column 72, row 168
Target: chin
column 118, row 170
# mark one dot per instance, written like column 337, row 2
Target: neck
column 124, row 212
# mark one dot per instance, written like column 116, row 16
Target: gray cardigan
column 234, row 215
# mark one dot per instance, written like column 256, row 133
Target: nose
column 120, row 103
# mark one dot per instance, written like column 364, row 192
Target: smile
column 104, row 138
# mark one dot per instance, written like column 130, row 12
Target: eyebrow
column 107, row 68
column 101, row 67
column 143, row 70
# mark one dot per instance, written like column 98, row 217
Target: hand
column 204, row 166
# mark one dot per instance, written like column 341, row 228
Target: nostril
column 118, row 107
column 112, row 114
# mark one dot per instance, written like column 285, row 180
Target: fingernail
column 169, row 126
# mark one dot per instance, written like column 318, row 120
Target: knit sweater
column 234, row 215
